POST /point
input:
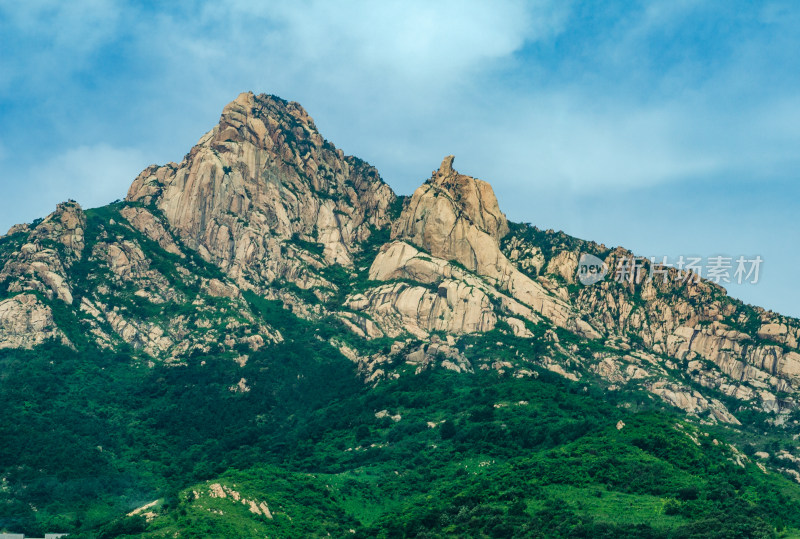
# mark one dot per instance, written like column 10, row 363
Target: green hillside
column 427, row 455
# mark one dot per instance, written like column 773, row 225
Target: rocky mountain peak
column 262, row 177
column 47, row 248
column 455, row 217
column 474, row 198
column 446, row 168
column 267, row 200
column 66, row 226
column 254, row 119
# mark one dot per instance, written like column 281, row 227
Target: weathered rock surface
column 454, row 307
column 266, row 200
column 691, row 401
column 438, row 352
column 50, row 248
column 25, row 322
column 456, row 217
column 687, row 320
column 453, row 299
column 146, row 223
column 218, row 289
column 263, row 177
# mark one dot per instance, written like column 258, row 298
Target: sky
column 668, row 127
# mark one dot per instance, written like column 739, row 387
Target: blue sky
column 668, row 127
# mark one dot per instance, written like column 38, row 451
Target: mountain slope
column 268, row 318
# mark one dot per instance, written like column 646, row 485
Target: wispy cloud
column 582, row 97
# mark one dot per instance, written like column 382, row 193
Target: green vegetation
column 90, row 435
column 472, row 455
column 551, row 243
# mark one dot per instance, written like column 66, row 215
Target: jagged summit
column 451, row 215
column 52, row 247
column 474, row 197
column 248, row 118
column 262, row 176
column 445, row 168
column 268, row 300
column 456, row 218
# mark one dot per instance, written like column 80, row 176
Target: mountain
column 265, row 340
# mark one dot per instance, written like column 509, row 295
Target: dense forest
column 90, row 436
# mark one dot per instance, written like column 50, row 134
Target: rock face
column 146, row 223
column 453, row 306
column 734, row 349
column 451, row 298
column 118, row 288
column 456, row 217
column 262, row 177
column 25, row 322
column 691, row 401
column 47, row 252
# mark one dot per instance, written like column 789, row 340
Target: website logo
column 591, row 269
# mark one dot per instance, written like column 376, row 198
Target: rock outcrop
column 262, row 185
column 456, row 217
column 25, row 322
column 450, row 298
column 453, row 307
column 146, row 223
column 48, row 250
column 693, row 321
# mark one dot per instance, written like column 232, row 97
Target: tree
column 447, row 430
column 362, row 433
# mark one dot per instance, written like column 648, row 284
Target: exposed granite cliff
column 264, row 204
column 259, row 179
column 457, row 218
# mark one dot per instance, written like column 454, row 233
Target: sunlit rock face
column 262, row 176
column 456, row 217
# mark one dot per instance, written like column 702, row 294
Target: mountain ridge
column 266, row 240
column 263, row 191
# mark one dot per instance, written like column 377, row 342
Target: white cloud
column 403, row 83
column 375, row 50
column 547, row 99
column 574, row 141
column 412, row 41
